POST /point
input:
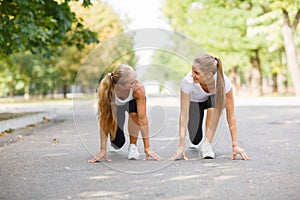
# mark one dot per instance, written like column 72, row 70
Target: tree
column 290, row 15
column 23, row 65
column 105, row 23
column 40, row 27
column 226, row 28
column 219, row 31
column 27, row 74
column 39, row 69
column 289, row 30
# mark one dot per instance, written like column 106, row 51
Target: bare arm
column 231, row 119
column 103, row 139
column 142, row 121
column 212, row 120
column 183, row 122
column 139, row 95
column 184, row 117
column 102, row 152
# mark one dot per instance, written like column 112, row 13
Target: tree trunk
column 11, row 89
column 275, row 82
column 291, row 53
column 256, row 75
column 65, row 90
column 27, row 90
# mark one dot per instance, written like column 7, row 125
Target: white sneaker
column 133, row 153
column 113, row 149
column 194, row 146
column 207, row 152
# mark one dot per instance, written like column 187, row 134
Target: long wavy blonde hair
column 207, row 63
column 106, row 98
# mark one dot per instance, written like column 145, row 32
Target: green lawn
column 6, row 116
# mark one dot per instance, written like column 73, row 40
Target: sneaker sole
column 208, row 157
column 132, row 158
column 114, row 150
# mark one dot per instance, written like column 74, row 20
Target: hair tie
column 217, row 61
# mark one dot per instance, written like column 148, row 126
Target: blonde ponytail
column 107, row 107
column 106, row 102
column 220, row 90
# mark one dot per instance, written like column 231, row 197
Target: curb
column 20, row 133
column 24, row 126
column 14, row 137
column 21, row 122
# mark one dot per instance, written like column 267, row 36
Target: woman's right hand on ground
column 237, row 150
column 99, row 156
column 150, row 153
column 179, row 152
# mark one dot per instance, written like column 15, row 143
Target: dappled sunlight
column 220, row 167
column 287, row 122
column 99, row 177
column 224, row 177
column 55, row 154
column 186, row 177
column 102, row 194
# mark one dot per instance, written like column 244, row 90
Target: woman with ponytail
column 119, row 92
column 206, row 88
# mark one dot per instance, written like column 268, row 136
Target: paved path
column 51, row 162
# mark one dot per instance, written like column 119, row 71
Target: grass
column 32, row 100
column 39, row 99
column 7, row 116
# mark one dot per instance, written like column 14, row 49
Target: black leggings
column 196, row 114
column 130, row 107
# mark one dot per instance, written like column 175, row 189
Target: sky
column 143, row 13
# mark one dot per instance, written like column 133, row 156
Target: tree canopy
column 41, row 26
column 247, row 35
column 52, row 43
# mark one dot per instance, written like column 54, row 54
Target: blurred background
column 45, row 42
column 54, row 52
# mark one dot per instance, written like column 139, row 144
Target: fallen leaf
column 55, row 140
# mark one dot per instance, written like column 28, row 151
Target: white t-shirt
column 197, row 94
column 120, row 102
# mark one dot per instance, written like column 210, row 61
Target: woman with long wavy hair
column 206, row 88
column 119, row 92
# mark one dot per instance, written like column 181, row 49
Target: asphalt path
column 51, row 161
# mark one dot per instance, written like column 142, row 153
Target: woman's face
column 131, row 81
column 200, row 77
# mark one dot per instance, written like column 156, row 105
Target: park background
column 44, row 43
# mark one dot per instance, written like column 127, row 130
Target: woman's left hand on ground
column 150, row 153
column 99, row 156
column 179, row 152
column 237, row 150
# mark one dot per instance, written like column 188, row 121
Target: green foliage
column 104, row 58
column 106, row 24
column 218, row 30
column 40, row 27
column 234, row 30
column 50, row 65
